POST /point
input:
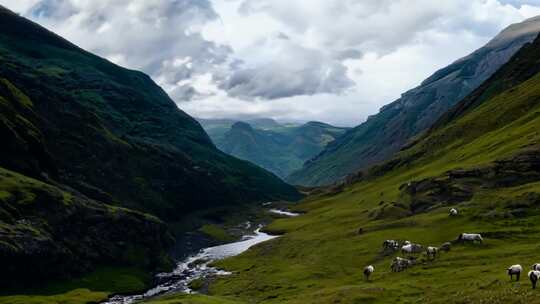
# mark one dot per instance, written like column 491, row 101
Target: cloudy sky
column 336, row 61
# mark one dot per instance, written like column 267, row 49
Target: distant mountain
column 385, row 133
column 82, row 139
column 216, row 128
column 279, row 148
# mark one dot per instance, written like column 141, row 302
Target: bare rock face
column 382, row 135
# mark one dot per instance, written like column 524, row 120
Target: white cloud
column 336, row 61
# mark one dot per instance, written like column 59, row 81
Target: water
column 196, row 267
column 282, row 212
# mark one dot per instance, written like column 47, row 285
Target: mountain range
column 397, row 123
column 100, row 171
column 92, row 155
column 277, row 147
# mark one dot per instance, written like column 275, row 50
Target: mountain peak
column 243, row 126
column 514, row 31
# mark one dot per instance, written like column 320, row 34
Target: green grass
column 217, row 233
column 90, row 288
column 78, row 296
column 193, row 299
column 321, row 256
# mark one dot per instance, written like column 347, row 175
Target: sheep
column 432, row 252
column 368, row 270
column 390, row 244
column 399, row 264
column 453, row 212
column 515, row 270
column 411, row 248
column 470, row 237
column 536, row 266
column 405, row 243
column 445, row 247
column 534, row 276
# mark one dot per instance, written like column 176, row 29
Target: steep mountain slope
column 82, row 139
column 278, row 148
column 111, row 133
column 482, row 157
column 385, row 133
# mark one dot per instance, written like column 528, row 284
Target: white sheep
column 432, row 252
column 515, row 270
column 534, row 276
column 399, row 264
column 368, row 270
column 446, row 247
column 470, row 237
column 536, row 266
column 411, row 248
column 453, row 212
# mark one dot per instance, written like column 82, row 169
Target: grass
column 217, row 233
column 77, row 296
column 93, row 287
column 321, row 256
column 193, row 299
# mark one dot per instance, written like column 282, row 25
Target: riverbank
column 107, row 280
column 195, row 267
column 199, row 267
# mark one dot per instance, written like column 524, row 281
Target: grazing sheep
column 470, row 237
column 534, row 276
column 368, row 270
column 445, row 247
column 432, row 252
column 453, row 212
column 411, row 248
column 536, row 266
column 515, row 270
column 390, row 244
column 406, row 243
column 399, row 264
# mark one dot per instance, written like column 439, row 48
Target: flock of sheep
column 400, row 264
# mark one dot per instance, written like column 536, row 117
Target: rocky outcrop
column 459, row 185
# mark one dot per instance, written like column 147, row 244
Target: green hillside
column 83, row 139
column 482, row 157
column 278, row 148
column 99, row 120
column 385, row 133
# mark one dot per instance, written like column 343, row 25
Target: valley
column 280, row 148
column 110, row 193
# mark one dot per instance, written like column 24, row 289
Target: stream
column 197, row 266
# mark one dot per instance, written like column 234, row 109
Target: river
column 197, row 266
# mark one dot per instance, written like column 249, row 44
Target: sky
column 336, row 61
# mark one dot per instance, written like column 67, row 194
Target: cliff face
column 383, row 134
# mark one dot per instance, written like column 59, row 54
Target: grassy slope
column 98, row 119
column 320, row 258
column 39, row 228
column 385, row 133
column 90, row 288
